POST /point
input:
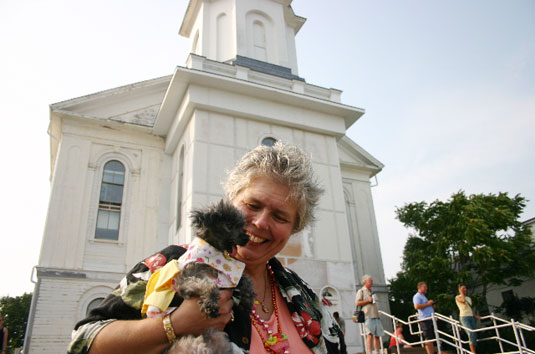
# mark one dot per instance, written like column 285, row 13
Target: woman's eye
column 252, row 206
column 279, row 218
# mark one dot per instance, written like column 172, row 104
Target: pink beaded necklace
column 275, row 343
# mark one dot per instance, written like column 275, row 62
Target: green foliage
column 519, row 308
column 477, row 240
column 15, row 311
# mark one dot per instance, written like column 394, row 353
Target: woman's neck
column 256, row 273
column 262, row 287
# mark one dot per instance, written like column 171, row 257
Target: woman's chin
column 249, row 252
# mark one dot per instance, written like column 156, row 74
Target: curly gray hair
column 286, row 164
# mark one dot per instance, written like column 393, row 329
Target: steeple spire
column 224, row 30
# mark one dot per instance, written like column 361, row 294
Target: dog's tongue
column 234, row 251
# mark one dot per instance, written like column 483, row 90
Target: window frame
column 110, row 206
column 98, row 170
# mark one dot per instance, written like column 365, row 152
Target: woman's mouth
column 255, row 239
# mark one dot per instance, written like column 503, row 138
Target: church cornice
column 135, row 104
column 356, row 159
column 113, row 92
column 295, row 21
column 189, row 17
column 301, row 95
column 105, row 122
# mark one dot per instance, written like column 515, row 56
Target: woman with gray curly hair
column 276, row 189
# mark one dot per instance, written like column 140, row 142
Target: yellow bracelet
column 169, row 330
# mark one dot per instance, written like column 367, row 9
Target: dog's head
column 221, row 225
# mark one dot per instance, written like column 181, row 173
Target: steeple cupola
column 225, row 30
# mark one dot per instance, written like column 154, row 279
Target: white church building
column 129, row 163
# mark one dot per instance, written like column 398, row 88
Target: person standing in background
column 374, row 328
column 342, row 325
column 340, row 322
column 425, row 312
column 466, row 315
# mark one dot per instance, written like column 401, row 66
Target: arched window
column 259, row 41
column 330, row 297
column 93, row 304
column 180, row 182
column 110, row 201
column 269, row 141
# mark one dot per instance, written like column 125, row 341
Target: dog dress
column 162, row 284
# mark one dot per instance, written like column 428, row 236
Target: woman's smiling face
column 270, row 217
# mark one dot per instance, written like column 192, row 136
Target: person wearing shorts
column 373, row 326
column 425, row 312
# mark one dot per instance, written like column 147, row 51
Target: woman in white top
column 466, row 315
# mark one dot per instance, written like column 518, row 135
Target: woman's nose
column 260, row 220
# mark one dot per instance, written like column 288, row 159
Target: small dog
column 207, row 267
column 222, row 226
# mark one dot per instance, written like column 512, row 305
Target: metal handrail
column 454, row 338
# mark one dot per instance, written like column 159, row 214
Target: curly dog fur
column 222, row 226
column 210, row 342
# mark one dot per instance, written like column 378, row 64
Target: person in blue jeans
column 466, row 315
column 425, row 312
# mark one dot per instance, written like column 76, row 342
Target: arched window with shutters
column 110, row 201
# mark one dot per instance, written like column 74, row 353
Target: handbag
column 358, row 316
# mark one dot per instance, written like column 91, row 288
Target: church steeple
column 224, row 30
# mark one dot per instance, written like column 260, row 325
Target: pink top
column 288, row 328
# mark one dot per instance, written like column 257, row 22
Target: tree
column 477, row 240
column 15, row 311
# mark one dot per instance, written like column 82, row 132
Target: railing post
column 396, row 333
column 420, row 333
column 363, row 337
column 435, row 327
column 497, row 332
column 522, row 337
column 456, row 335
column 513, row 323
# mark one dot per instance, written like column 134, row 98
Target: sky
column 448, row 88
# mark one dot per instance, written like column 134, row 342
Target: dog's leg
column 209, row 301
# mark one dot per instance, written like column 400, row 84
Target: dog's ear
column 220, row 215
column 197, row 219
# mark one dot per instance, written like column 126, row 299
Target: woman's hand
column 188, row 318
column 147, row 336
